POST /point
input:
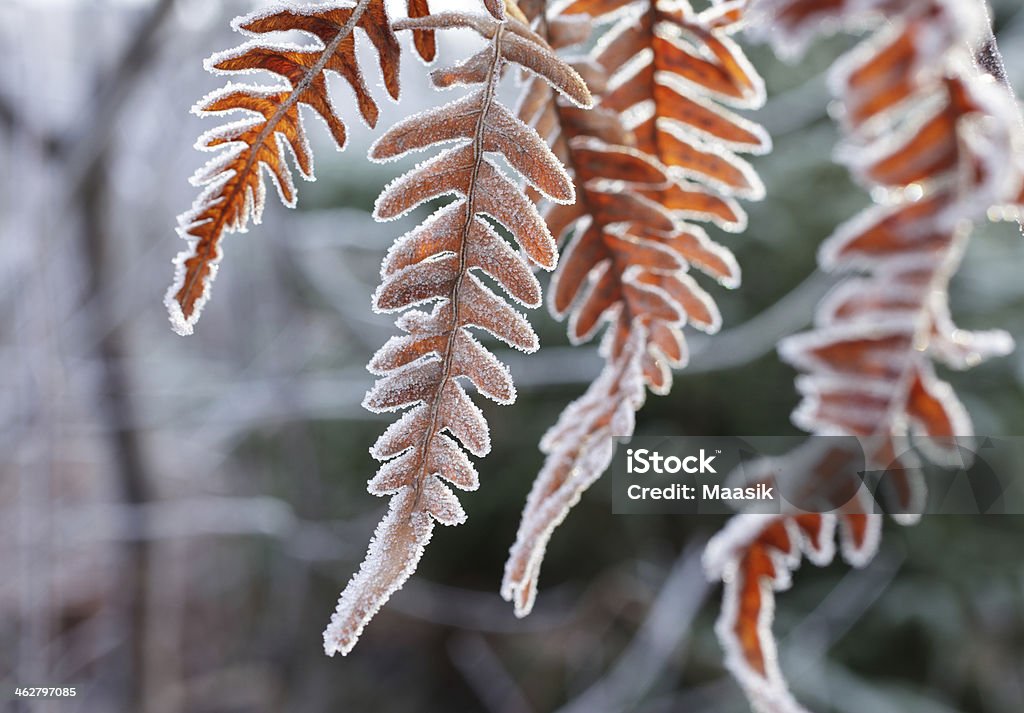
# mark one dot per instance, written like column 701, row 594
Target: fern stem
column 449, row 352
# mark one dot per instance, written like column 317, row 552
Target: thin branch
column 12, row 121
column 117, row 408
column 758, row 336
column 9, row 117
column 486, row 675
column 85, row 149
column 807, row 642
column 662, row 634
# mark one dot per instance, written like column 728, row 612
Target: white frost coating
column 594, row 277
column 425, row 281
column 577, row 455
column 630, row 68
column 732, row 275
column 438, row 228
column 179, row 323
column 859, row 555
column 394, row 552
column 465, row 420
column 475, row 362
column 709, row 325
column 395, row 200
column 483, row 309
column 607, row 271
column 652, row 300
column 946, row 447
column 503, row 133
column 754, row 97
column 425, row 369
column 440, row 502
column 421, row 131
column 448, row 461
column 863, row 299
column 865, row 411
column 450, row 173
column 797, row 350
column 404, row 387
column 961, row 349
column 489, row 253
column 738, row 225
column 790, row 43
column 275, row 7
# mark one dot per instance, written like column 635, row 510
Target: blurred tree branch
column 662, row 634
column 87, row 162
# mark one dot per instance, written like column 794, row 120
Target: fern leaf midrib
column 269, row 129
column 486, row 99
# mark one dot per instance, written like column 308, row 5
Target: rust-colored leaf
column 233, row 186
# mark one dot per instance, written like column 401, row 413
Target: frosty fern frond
column 624, row 186
column 233, row 184
column 437, row 264
column 628, row 260
column 926, row 127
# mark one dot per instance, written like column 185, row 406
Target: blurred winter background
column 178, row 515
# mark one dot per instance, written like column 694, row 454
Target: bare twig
column 86, row 148
column 662, row 634
column 758, row 336
column 486, row 675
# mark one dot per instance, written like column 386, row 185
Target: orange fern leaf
column 233, row 185
column 675, row 71
column 868, row 362
column 755, row 555
column 627, row 263
column 438, row 263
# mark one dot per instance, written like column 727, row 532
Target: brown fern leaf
column 755, row 556
column 233, row 185
column 628, row 260
column 438, row 263
column 675, row 71
column 923, row 124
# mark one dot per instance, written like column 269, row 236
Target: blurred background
column 177, row 516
